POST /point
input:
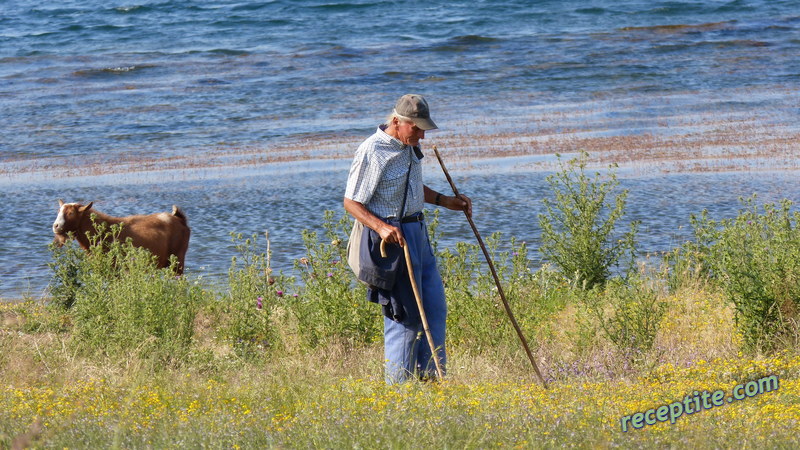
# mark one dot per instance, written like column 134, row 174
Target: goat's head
column 69, row 218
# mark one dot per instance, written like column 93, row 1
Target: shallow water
column 286, row 201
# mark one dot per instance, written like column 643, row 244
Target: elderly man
column 385, row 193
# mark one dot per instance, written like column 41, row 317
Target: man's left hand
column 461, row 203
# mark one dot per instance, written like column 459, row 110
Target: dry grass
column 699, row 325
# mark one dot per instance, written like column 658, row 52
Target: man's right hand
column 391, row 234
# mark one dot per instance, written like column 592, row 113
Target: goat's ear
column 87, row 207
column 60, row 203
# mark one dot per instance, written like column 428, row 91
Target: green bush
column 331, row 305
column 755, row 259
column 117, row 303
column 474, row 310
column 123, row 303
column 578, row 229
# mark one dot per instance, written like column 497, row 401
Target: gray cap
column 413, row 107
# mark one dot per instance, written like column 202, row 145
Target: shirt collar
column 396, row 142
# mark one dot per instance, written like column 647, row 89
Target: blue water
column 86, row 86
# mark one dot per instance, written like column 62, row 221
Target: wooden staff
column 422, row 315
column 494, row 273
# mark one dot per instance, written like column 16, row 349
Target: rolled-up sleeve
column 364, row 177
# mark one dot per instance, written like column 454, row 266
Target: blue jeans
column 406, row 348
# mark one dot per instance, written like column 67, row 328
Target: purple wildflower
column 259, row 305
column 279, row 293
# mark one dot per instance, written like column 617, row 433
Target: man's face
column 408, row 133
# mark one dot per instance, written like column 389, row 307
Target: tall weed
column 65, row 264
column 628, row 312
column 579, row 227
column 253, row 296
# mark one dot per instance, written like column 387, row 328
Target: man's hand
column 459, row 203
column 455, row 203
column 391, row 234
column 462, row 203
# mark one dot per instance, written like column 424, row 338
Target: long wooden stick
column 422, row 315
column 494, row 274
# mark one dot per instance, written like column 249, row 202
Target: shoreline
column 733, row 130
column 728, row 148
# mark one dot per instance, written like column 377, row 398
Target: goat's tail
column 178, row 212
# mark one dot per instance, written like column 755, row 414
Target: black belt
column 418, row 217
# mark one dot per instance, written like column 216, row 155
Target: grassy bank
column 334, row 396
column 698, row 347
column 323, row 387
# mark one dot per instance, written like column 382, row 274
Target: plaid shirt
column 378, row 176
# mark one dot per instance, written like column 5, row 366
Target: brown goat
column 163, row 234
